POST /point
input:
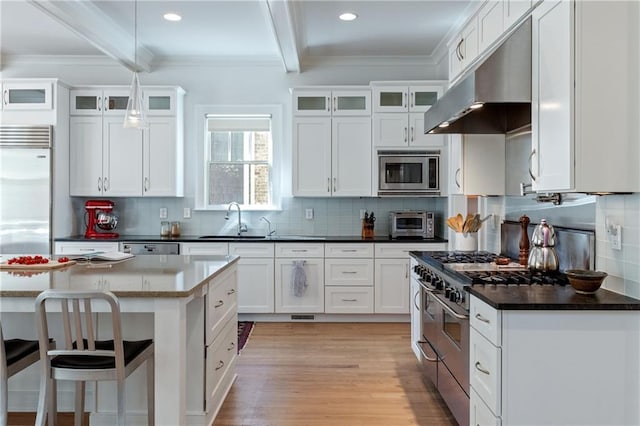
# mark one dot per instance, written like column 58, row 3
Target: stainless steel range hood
column 495, row 97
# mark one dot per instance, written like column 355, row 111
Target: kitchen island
column 187, row 303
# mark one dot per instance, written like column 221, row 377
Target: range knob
column 439, row 285
column 447, row 292
column 455, row 296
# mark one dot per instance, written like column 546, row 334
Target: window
column 238, row 161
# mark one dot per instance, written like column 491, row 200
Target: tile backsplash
column 623, row 266
column 331, row 216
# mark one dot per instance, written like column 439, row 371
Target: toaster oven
column 411, row 224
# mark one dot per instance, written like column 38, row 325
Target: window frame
column 277, row 142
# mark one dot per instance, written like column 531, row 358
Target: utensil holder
column 467, row 241
column 367, row 230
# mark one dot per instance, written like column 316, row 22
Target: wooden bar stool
column 82, row 358
column 15, row 356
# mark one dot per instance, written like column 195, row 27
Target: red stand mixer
column 100, row 219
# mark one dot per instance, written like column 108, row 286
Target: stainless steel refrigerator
column 25, row 189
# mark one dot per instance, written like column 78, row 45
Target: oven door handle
column 451, row 311
column 419, row 342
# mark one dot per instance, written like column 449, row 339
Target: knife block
column 367, row 230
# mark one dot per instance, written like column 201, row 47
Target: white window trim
column 277, row 136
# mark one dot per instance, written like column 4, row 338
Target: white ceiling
column 289, row 31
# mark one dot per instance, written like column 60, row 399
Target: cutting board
column 53, row 264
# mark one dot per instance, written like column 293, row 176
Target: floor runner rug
column 244, row 331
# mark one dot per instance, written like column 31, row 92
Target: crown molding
column 378, row 61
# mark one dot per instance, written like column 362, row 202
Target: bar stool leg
column 77, row 419
column 151, row 406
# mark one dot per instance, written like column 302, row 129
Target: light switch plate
column 308, row 214
column 615, row 237
column 186, row 213
column 163, row 213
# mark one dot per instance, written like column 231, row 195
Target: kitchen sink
column 295, row 237
column 232, row 237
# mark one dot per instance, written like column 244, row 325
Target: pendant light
column 135, row 116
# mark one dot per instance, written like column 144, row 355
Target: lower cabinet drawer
column 485, row 370
column 220, row 355
column 348, row 272
column 348, row 300
column 222, row 302
column 481, row 415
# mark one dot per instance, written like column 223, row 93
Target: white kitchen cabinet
column 332, row 156
column 81, row 247
column 404, row 131
column 348, row 300
column 255, row 277
column 27, row 94
column 584, row 117
column 514, row 10
column 332, row 101
column 463, row 49
column 107, row 159
column 306, row 299
column 477, row 165
column 348, row 278
column 520, row 356
column 213, row 249
column 404, row 97
column 490, row 23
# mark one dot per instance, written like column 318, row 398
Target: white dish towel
column 298, row 278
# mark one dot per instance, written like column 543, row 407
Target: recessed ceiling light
column 172, row 17
column 348, row 16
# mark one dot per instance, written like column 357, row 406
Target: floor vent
column 303, row 317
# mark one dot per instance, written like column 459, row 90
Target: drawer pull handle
column 220, row 365
column 483, row 319
column 424, row 355
column 230, row 292
column 482, row 370
column 220, row 303
column 349, row 250
column 349, row 272
column 349, row 300
column 232, row 346
column 299, row 250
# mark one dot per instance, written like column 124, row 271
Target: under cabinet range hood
column 494, row 97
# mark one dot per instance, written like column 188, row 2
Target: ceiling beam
column 280, row 21
column 86, row 20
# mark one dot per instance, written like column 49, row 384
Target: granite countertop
column 139, row 276
column 541, row 297
column 274, row 239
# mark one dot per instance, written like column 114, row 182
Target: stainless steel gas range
column 444, row 307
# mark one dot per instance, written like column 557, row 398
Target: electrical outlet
column 186, row 213
column 362, row 213
column 163, row 213
column 308, row 214
column 615, row 237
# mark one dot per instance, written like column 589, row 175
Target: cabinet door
column 294, row 299
column 312, row 102
column 552, row 84
column 160, row 102
column 85, row 156
column 33, row 95
column 312, row 156
column 469, row 46
column 392, row 286
column 115, row 102
column 122, row 159
column 391, row 99
column 421, row 98
column 490, row 23
column 417, row 137
column 162, row 159
column 483, row 162
column 456, row 174
column 351, row 156
column 455, row 59
column 86, row 102
column 255, row 285
column 213, row 249
column 351, row 102
column 390, row 130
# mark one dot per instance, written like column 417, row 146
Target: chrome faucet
column 241, row 226
column 269, row 224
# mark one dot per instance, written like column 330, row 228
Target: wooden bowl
column 584, row 281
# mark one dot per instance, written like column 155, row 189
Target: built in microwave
column 407, row 173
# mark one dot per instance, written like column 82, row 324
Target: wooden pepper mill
column 524, row 240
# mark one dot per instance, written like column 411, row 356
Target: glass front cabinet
column 332, row 102
column 32, row 95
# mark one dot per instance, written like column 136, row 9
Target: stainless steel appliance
column 149, row 248
column 494, row 97
column 406, row 173
column 25, row 189
column 411, row 224
column 442, row 277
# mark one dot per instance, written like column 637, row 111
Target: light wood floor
column 311, row 374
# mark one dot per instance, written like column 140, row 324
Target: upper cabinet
column 490, row 23
column 584, row 111
column 398, row 119
column 476, row 165
column 318, row 102
column 332, row 147
column 107, row 159
column 27, row 95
